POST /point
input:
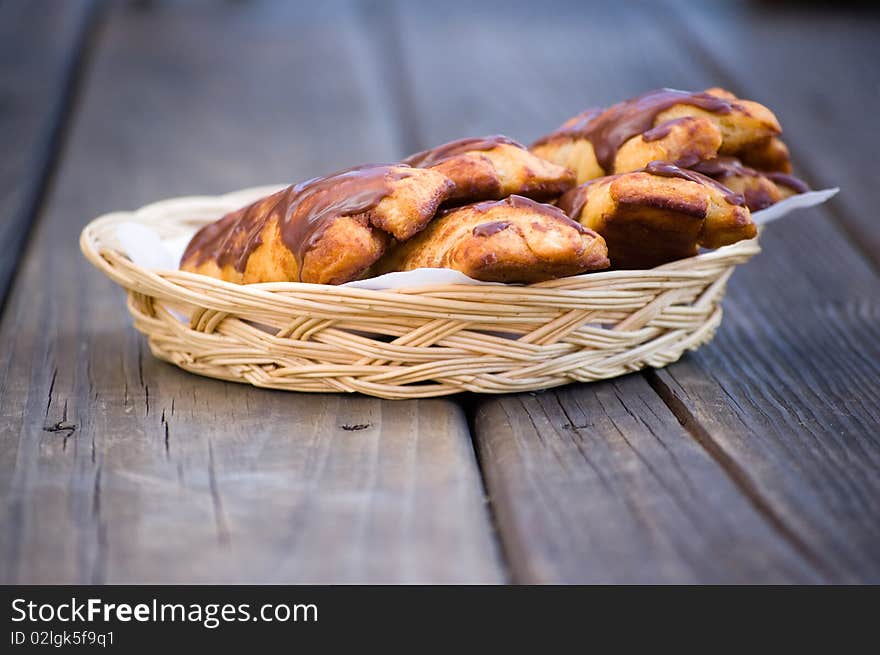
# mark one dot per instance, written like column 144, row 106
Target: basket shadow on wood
column 410, row 343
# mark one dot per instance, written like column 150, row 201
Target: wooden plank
column 790, row 405
column 600, row 484
column 42, row 47
column 819, row 65
column 117, row 468
column 786, row 396
column 590, row 483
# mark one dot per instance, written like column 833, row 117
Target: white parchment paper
column 146, row 248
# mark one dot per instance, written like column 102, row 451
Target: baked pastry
column 327, row 230
column 493, row 167
column 659, row 214
column 759, row 188
column 665, row 125
column 510, row 240
column 660, row 176
column 769, row 154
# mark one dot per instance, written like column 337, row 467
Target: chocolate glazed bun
column 510, row 240
column 760, row 189
column 494, row 167
column 665, row 125
column 771, row 155
column 327, row 230
column 660, row 214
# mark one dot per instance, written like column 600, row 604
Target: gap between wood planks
column 411, row 139
column 677, row 21
column 401, row 106
column 39, row 180
column 733, row 471
column 381, row 20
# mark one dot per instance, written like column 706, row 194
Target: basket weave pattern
column 410, row 343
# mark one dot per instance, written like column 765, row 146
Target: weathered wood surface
column 42, row 47
column 788, row 393
column 755, row 459
column 600, row 484
column 115, row 467
column 783, row 404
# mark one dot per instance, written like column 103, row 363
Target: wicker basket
column 410, row 343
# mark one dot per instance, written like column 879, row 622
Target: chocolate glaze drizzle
column 572, row 128
column 721, row 168
column 434, row 156
column 521, row 203
column 665, row 169
column 611, row 128
column 303, row 212
column 488, row 229
column 574, row 201
column 792, row 182
column 663, row 130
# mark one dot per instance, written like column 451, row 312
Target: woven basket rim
column 419, row 342
column 106, row 258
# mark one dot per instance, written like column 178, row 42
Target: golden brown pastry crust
column 686, row 168
column 759, row 188
column 659, row 215
column 665, row 125
column 327, row 230
column 510, row 240
column 770, row 154
column 494, row 167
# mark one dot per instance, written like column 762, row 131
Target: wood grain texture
column 42, row 47
column 818, row 65
column 784, row 401
column 755, row 459
column 626, row 495
column 115, row 467
column 600, row 484
column 788, row 391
